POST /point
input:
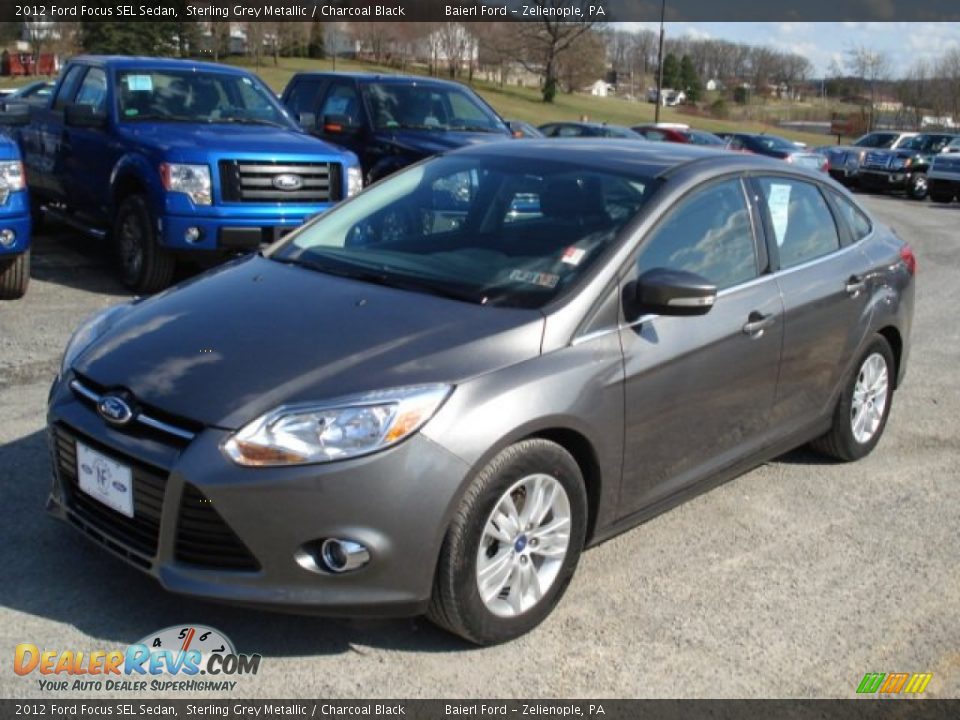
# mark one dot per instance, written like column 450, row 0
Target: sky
column 903, row 42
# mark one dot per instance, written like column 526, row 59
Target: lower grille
column 268, row 181
column 140, row 532
column 205, row 539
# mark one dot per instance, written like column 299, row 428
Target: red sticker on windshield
column 573, row 255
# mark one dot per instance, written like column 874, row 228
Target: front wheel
column 512, row 546
column 144, row 266
column 14, row 276
column 918, row 187
column 861, row 414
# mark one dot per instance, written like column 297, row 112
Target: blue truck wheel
column 144, row 265
column 14, row 276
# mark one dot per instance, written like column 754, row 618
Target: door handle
column 855, row 284
column 758, row 322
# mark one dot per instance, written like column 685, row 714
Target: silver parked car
column 433, row 397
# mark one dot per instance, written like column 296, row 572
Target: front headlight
column 336, row 430
column 11, row 178
column 89, row 330
column 354, row 180
column 194, row 180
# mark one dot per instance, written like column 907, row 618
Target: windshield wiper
column 245, row 121
column 414, row 126
column 474, row 128
column 386, row 279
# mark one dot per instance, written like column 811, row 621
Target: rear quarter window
column 859, row 224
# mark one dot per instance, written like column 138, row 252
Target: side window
column 569, row 131
column 303, row 97
column 549, row 130
column 655, row 135
column 342, row 100
column 803, row 225
column 709, row 234
column 858, row 223
column 68, row 87
column 93, row 91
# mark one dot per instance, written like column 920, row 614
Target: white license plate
column 105, row 480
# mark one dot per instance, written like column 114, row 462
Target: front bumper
column 880, row 180
column 943, row 184
column 844, row 174
column 231, row 228
column 15, row 216
column 397, row 503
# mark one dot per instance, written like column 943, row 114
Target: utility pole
column 656, row 113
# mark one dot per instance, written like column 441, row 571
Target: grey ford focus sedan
column 432, row 398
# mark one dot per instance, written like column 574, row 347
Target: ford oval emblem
column 114, row 410
column 288, row 181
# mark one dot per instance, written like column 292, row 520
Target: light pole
column 656, row 113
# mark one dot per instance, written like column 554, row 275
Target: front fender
column 131, row 169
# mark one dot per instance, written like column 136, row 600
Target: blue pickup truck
column 14, row 223
column 170, row 158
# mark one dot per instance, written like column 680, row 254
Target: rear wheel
column 144, row 265
column 513, row 545
column 918, row 186
column 863, row 408
column 14, row 276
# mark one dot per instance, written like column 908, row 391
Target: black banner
column 486, row 709
column 480, row 10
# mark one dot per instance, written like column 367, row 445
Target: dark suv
column 391, row 121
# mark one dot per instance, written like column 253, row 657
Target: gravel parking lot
column 791, row 581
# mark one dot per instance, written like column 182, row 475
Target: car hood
column 425, row 142
column 245, row 338
column 190, row 141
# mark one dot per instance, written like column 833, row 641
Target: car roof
column 136, row 61
column 629, row 156
column 378, row 77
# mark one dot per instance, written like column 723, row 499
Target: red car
column 678, row 134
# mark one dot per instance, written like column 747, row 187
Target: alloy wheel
column 869, row 398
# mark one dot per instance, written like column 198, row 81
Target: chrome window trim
column 151, row 422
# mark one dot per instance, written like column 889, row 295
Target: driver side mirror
column 13, row 114
column 339, row 125
column 307, row 120
column 83, row 116
column 673, row 292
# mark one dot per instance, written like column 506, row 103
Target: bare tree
column 456, row 44
column 870, row 67
column 584, row 63
column 541, row 43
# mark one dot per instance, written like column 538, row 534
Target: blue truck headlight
column 11, row 178
column 194, row 180
column 354, row 180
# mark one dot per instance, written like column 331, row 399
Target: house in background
column 600, row 88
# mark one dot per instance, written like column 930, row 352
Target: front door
column 699, row 390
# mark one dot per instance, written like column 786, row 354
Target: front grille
column 205, row 539
column 877, row 160
column 253, row 181
column 149, row 484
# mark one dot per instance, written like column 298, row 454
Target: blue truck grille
column 268, row 181
column 877, row 160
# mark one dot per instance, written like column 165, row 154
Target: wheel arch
column 891, row 334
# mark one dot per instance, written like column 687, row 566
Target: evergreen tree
column 317, row 46
column 130, row 38
column 689, row 79
column 671, row 72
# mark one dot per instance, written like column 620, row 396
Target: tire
column 14, row 276
column 942, row 198
column 37, row 217
column 145, row 267
column 520, row 472
column 842, row 441
column 918, row 187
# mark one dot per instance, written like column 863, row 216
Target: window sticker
column 547, row 280
column 778, row 200
column 139, row 83
column 573, row 255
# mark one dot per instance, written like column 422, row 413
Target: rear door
column 821, row 276
column 89, row 153
column 43, row 139
column 699, row 390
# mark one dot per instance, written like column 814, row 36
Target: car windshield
column 702, row 138
column 490, row 230
column 772, row 142
column 927, row 143
column 197, row 97
column 423, row 106
column 876, row 140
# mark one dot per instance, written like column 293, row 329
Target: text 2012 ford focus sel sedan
column 433, row 397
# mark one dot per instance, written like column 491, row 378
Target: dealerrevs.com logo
column 178, row 658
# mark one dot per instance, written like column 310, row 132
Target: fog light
column 7, row 237
column 342, row 556
column 192, row 234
